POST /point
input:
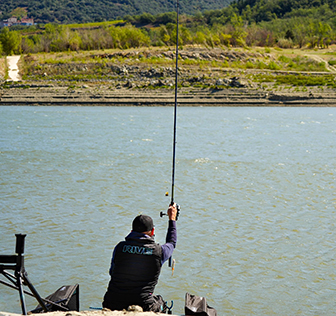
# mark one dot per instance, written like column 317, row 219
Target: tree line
column 237, row 25
column 84, row 11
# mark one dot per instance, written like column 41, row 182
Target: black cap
column 142, row 223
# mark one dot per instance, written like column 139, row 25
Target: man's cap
column 142, row 223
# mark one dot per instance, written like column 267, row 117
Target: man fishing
column 136, row 265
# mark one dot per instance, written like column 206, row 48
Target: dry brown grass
column 2, row 66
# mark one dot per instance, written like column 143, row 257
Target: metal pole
column 61, row 308
column 35, row 293
column 21, row 294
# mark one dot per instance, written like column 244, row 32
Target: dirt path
column 13, row 69
column 321, row 60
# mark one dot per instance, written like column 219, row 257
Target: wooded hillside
column 261, row 10
column 83, row 11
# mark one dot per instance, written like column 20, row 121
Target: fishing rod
column 175, row 106
column 175, row 122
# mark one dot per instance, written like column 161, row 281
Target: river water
column 256, row 235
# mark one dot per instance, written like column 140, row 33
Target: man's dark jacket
column 135, row 269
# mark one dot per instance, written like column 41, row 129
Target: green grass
column 94, row 24
column 297, row 80
column 55, row 61
column 330, row 53
column 332, row 62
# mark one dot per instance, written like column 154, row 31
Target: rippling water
column 256, row 187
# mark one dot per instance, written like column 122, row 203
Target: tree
column 10, row 41
column 164, row 34
column 199, row 38
column 324, row 30
column 185, row 35
column 312, row 35
column 50, row 28
column 165, row 18
column 19, row 13
column 146, row 18
column 238, row 32
column 74, row 41
column 300, row 34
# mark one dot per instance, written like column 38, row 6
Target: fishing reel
column 178, row 208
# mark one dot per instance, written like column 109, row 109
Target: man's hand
column 172, row 211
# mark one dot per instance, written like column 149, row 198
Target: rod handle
column 178, row 208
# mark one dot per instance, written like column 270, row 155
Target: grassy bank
column 154, row 68
column 206, row 77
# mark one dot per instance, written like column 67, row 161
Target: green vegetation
column 85, row 11
column 83, row 66
column 298, row 80
column 280, row 28
column 9, row 41
column 245, row 23
column 94, row 24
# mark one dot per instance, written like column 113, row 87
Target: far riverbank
column 146, row 77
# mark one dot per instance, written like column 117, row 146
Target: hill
column 83, row 11
column 261, row 10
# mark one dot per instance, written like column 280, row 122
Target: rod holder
column 20, row 242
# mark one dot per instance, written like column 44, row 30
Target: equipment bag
column 67, row 296
column 196, row 305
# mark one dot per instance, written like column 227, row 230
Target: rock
column 134, row 308
column 129, row 84
column 236, row 82
column 227, row 81
column 195, row 79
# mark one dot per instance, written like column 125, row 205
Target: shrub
column 332, row 62
column 199, row 38
column 249, row 65
column 273, row 66
column 225, row 39
column 285, row 43
column 284, row 59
